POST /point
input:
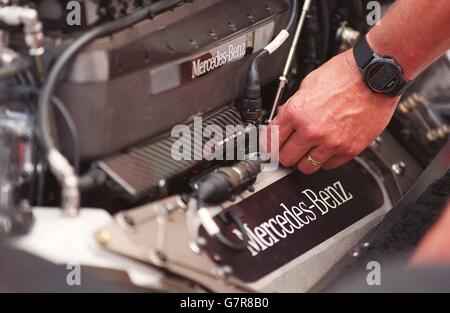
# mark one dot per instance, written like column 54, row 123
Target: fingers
column 284, row 115
column 284, row 130
column 320, row 155
column 285, row 120
column 301, row 135
column 283, row 133
column 294, row 149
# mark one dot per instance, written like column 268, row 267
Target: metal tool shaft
column 290, row 59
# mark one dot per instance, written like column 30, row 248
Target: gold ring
column 313, row 162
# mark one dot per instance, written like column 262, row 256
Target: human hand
column 333, row 117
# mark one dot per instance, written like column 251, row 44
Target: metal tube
column 290, row 59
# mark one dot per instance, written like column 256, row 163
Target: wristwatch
column 382, row 74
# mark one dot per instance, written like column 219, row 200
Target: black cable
column 253, row 87
column 253, row 77
column 324, row 19
column 294, row 9
column 16, row 92
column 20, row 91
column 242, row 245
column 27, row 86
column 9, row 70
column 102, row 30
column 41, row 181
column 94, row 177
column 217, row 187
column 72, row 131
column 251, row 105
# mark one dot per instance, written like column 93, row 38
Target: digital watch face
column 382, row 77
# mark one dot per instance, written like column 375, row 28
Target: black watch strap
column 363, row 53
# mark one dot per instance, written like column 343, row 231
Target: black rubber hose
column 293, row 17
column 243, row 243
column 93, row 178
column 324, row 28
column 224, row 240
column 19, row 91
column 251, row 103
column 99, row 31
column 253, row 88
column 72, row 131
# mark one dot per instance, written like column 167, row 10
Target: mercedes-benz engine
column 92, row 92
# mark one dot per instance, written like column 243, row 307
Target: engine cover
column 298, row 228
column 139, row 83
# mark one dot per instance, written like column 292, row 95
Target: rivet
column 103, row 237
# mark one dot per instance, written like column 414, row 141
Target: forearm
column 414, row 32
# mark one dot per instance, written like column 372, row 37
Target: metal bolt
column 403, row 108
column 232, row 25
column 193, row 43
column 217, row 258
column 213, row 34
column 161, row 256
column 347, row 35
column 438, row 133
column 357, row 251
column 201, row 241
column 194, row 246
column 399, row 168
column 103, row 237
column 129, row 220
column 376, row 144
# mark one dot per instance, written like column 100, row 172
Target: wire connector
column 65, row 174
column 32, row 26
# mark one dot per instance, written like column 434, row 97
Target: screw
column 193, row 43
column 161, row 256
column 217, row 258
column 201, row 241
column 194, row 246
column 399, row 168
column 129, row 220
column 376, row 144
column 103, row 237
column 232, row 25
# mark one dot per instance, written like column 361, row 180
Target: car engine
column 91, row 91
